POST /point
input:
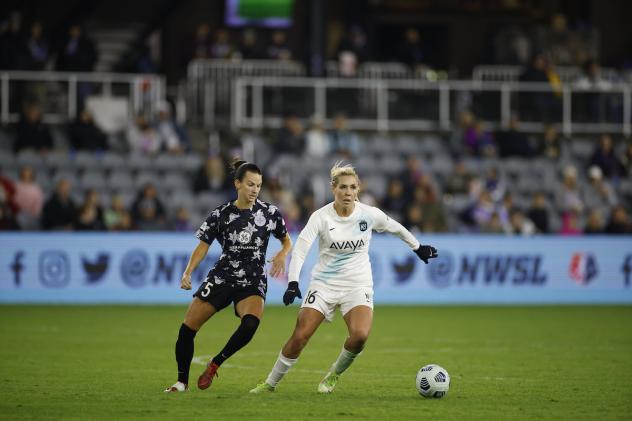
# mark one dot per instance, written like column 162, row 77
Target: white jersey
column 343, row 245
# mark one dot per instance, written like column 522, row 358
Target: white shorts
column 325, row 300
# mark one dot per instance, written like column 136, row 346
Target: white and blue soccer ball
column 432, row 381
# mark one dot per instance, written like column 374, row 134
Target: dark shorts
column 220, row 296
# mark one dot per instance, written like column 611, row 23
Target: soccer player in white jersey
column 342, row 276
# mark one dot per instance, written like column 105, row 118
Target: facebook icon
column 17, row 267
column 627, row 269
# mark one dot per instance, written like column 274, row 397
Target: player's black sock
column 184, row 352
column 240, row 338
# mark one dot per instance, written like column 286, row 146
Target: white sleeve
column 302, row 246
column 385, row 223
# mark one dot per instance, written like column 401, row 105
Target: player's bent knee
column 250, row 323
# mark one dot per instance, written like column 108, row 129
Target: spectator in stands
column 434, row 217
column 356, row 43
column 78, row 53
column 599, row 192
column 541, row 106
column 222, row 47
column 504, row 210
column 343, row 142
column 94, row 219
column 142, row 137
column 410, row 51
column 278, row 48
column 511, row 142
column 594, row 223
column 173, row 137
column 59, row 211
column 291, row 137
column 7, row 192
column 11, row 43
column 520, row 224
column 413, row 220
column 395, row 201
column 116, row 217
column 551, row 144
column 317, row 143
column 483, row 209
column 249, row 48
column 181, row 221
column 31, row 132
column 494, row 183
column 568, row 197
column 493, row 226
column 37, row 52
column 570, row 223
column 87, row 219
column 604, row 157
column 212, row 177
column 458, row 181
column 539, row 214
column 512, row 46
column 29, row 199
column 148, row 212
column 592, row 105
column 201, row 42
column 274, row 192
column 626, row 159
column 7, row 207
column 85, row 135
column 411, row 175
column 619, row 222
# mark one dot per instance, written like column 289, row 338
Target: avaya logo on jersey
column 346, row 245
column 583, row 268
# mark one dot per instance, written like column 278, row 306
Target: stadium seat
column 58, row 160
column 145, row 177
column 93, row 179
column 30, row 158
column 113, row 161
column 121, row 180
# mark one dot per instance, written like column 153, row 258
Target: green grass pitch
column 113, row 362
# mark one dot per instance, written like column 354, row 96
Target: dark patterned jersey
column 243, row 235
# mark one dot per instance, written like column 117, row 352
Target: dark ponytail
column 241, row 167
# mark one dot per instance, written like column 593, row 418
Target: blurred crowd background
column 160, row 170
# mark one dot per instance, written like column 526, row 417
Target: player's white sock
column 281, row 366
column 344, row 361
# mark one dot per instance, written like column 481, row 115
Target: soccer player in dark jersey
column 242, row 227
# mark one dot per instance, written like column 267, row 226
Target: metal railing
column 373, row 104
column 61, row 93
column 210, row 83
column 567, row 74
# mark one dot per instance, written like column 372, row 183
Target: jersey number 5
column 207, row 290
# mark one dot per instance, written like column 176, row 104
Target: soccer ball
column 432, row 381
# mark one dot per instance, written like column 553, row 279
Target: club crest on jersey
column 260, row 220
column 346, row 245
column 363, row 225
column 244, row 237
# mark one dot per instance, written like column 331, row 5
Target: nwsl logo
column 583, row 268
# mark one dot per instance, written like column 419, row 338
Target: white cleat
column 328, row 384
column 177, row 387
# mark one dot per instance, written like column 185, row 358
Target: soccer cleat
column 206, row 378
column 328, row 384
column 261, row 388
column 177, row 387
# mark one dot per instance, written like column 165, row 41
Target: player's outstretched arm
column 278, row 261
column 196, row 257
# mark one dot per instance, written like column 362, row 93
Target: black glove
column 426, row 252
column 291, row 293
